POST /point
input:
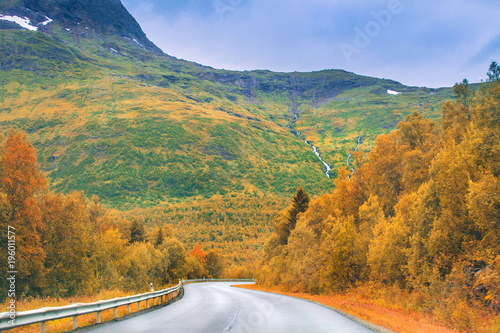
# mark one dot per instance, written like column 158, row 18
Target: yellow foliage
column 416, row 215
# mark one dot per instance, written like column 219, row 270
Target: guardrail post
column 154, row 301
column 75, row 323
column 42, row 327
column 147, row 303
column 128, row 308
column 115, row 313
column 138, row 306
column 98, row 317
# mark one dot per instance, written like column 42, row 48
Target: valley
column 141, row 129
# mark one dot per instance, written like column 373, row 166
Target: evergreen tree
column 137, row 232
column 300, row 203
column 159, row 237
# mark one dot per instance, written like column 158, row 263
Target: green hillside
column 112, row 117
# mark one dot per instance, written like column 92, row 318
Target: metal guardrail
column 44, row 315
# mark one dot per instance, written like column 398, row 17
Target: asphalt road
column 217, row 307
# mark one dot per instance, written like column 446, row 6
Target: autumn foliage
column 419, row 209
column 70, row 245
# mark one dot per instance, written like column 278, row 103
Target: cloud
column 489, row 52
column 427, row 42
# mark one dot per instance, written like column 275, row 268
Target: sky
column 431, row 43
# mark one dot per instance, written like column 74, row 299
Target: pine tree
column 137, row 232
column 159, row 237
column 300, row 203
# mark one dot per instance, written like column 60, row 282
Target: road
column 217, row 307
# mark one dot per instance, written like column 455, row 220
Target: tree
column 198, row 253
column 174, row 255
column 137, row 232
column 66, row 240
column 494, row 72
column 383, row 171
column 463, row 94
column 159, row 237
column 387, row 250
column 111, row 260
column 417, row 132
column 215, row 264
column 419, row 144
column 300, row 203
column 483, row 203
column 303, row 259
column 22, row 183
column 486, row 127
column 344, row 257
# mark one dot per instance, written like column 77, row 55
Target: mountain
column 112, row 115
column 81, row 17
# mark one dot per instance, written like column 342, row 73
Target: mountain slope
column 112, row 115
column 108, row 17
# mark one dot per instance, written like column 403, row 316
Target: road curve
column 217, row 307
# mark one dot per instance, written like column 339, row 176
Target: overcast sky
column 431, row 43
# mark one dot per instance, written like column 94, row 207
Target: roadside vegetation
column 418, row 221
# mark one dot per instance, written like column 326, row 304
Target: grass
column 389, row 308
column 66, row 324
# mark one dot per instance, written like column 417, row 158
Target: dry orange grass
column 66, row 324
column 375, row 311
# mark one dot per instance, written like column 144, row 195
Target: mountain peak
column 106, row 17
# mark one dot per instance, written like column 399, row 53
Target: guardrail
column 44, row 315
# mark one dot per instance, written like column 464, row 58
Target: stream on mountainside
column 297, row 134
column 350, row 155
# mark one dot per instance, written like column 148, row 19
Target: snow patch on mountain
column 22, row 21
column 47, row 21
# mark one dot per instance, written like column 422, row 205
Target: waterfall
column 328, row 168
column 350, row 155
column 297, row 134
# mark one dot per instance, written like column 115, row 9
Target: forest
column 420, row 214
column 66, row 244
